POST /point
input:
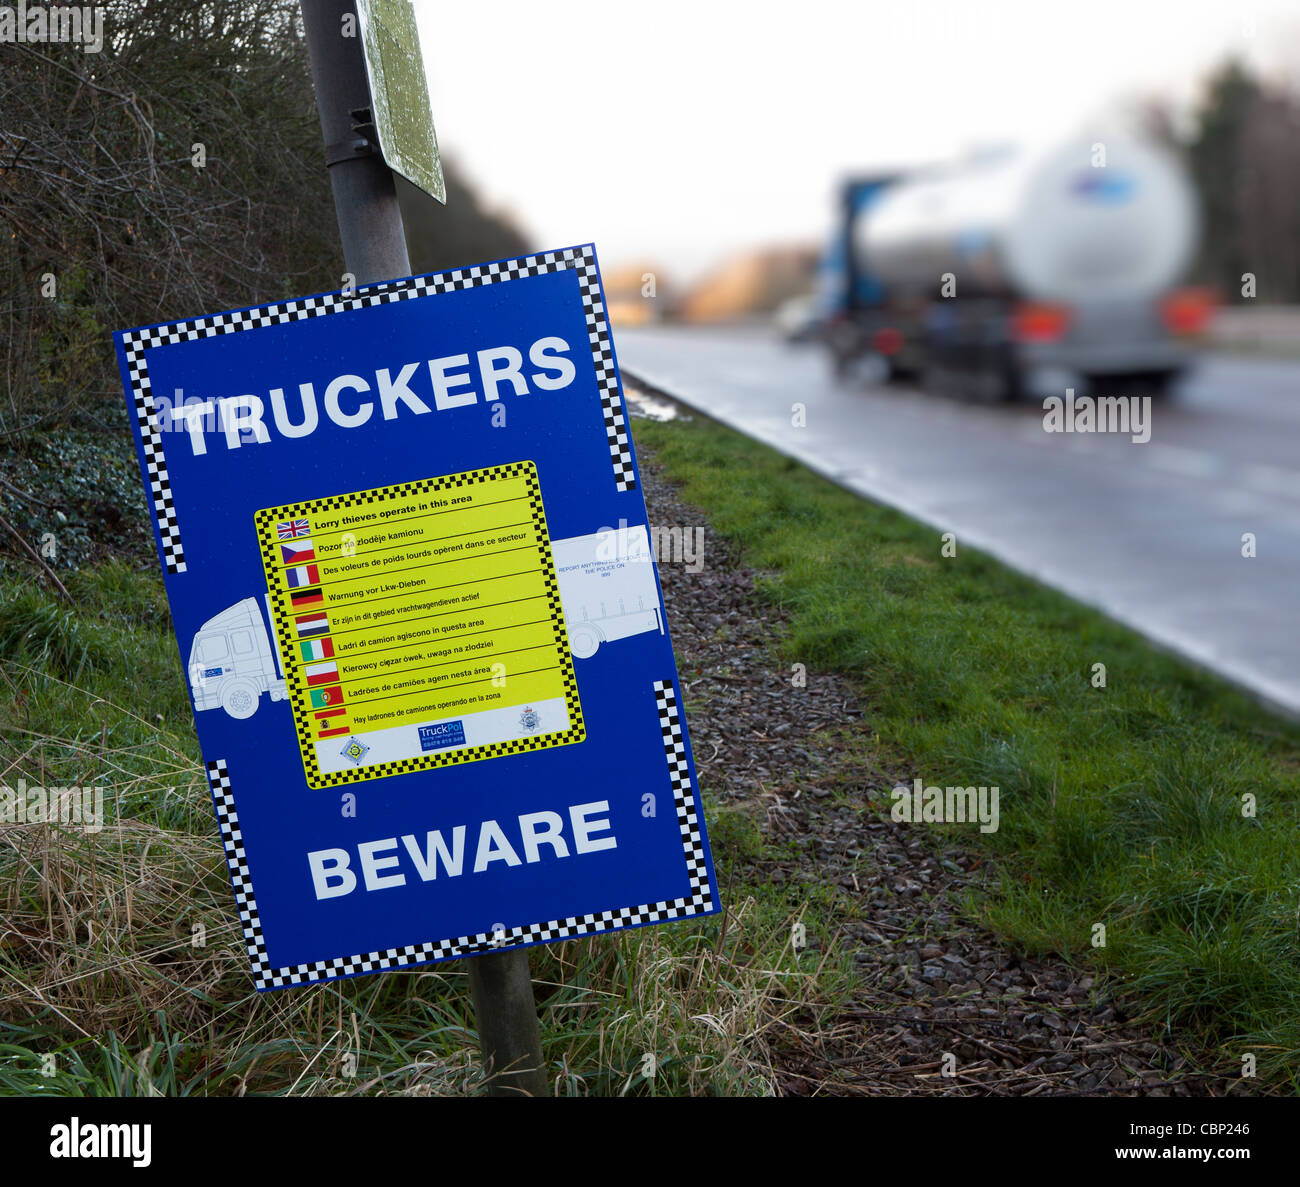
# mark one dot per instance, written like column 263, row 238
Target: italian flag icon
column 317, row 649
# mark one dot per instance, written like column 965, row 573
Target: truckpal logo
column 445, row 733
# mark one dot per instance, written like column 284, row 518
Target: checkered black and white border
column 232, row 840
column 581, row 259
column 698, row 901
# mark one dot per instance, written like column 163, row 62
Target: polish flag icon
column 322, row 673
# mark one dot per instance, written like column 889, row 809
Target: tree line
column 1242, row 150
column 177, row 172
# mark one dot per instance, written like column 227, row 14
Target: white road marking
column 1176, row 459
column 1148, row 533
column 1274, row 480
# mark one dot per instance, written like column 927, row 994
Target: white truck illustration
column 232, row 662
column 607, row 587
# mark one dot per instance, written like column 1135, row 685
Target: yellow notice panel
column 420, row 625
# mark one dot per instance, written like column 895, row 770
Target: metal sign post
column 374, row 249
column 365, row 198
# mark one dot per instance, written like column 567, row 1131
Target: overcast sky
column 681, row 133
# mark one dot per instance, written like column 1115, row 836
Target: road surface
column 1149, row 533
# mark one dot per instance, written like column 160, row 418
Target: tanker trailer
column 1029, row 270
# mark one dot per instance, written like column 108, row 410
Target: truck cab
column 232, row 662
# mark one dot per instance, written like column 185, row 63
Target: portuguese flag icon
column 323, row 698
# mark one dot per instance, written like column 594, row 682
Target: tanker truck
column 1019, row 270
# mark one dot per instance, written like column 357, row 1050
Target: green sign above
column 399, row 92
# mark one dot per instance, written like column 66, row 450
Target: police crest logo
column 355, row 750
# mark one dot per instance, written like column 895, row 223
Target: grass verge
column 1163, row 806
column 122, row 969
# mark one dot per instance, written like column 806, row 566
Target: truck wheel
column 1160, row 385
column 584, row 641
column 1010, row 384
column 239, row 699
column 943, row 381
column 1002, row 381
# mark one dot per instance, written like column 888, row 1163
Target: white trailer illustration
column 607, row 587
column 232, row 662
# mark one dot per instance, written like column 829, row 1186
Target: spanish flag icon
column 331, row 723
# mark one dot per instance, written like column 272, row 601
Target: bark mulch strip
column 931, row 981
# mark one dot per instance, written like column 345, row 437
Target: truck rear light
column 1187, row 311
column 887, row 341
column 1039, row 323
